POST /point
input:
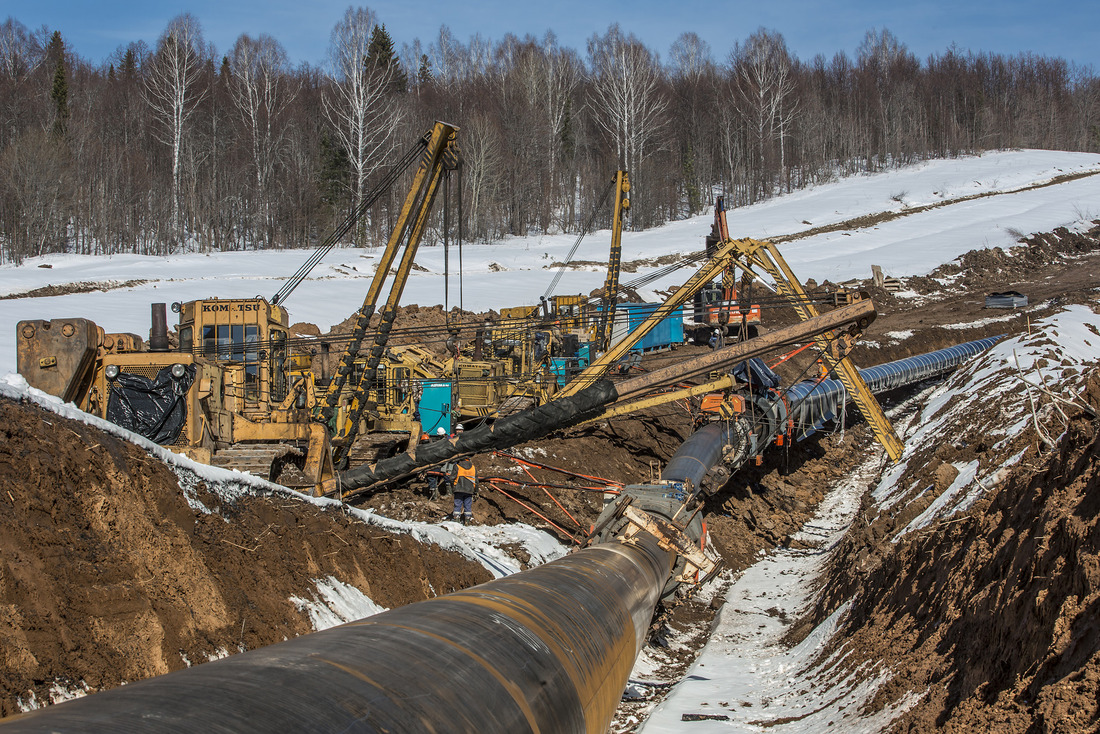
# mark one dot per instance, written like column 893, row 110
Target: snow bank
column 991, row 400
column 515, row 271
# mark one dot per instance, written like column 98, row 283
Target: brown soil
column 990, row 616
column 70, row 288
column 107, row 574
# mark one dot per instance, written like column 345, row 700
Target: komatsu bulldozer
column 229, row 395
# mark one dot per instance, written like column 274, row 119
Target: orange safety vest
column 465, row 477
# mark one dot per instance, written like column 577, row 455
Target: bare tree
column 763, row 84
column 482, row 161
column 20, row 50
column 692, row 76
column 173, row 91
column 550, row 76
column 262, row 90
column 359, row 104
column 627, row 99
column 886, row 69
column 447, row 56
column 690, row 57
column 36, row 177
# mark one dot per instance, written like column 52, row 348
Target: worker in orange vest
column 464, row 486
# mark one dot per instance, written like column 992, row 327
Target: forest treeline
column 180, row 147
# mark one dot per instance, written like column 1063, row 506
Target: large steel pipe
column 813, row 403
column 545, row 650
column 698, row 454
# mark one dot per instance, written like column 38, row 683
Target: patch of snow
column 218, row 654
column 57, row 693
column 335, row 603
column 982, row 322
column 944, row 504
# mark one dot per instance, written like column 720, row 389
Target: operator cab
column 248, row 333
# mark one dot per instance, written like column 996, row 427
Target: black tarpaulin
column 155, row 408
column 756, row 374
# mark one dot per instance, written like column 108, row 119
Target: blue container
column 435, row 406
column 668, row 332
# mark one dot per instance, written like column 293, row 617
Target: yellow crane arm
column 708, row 272
column 440, row 151
column 764, row 255
column 606, row 323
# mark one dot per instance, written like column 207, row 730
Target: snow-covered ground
column 746, row 679
column 514, row 272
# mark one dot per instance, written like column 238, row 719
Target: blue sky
column 1066, row 28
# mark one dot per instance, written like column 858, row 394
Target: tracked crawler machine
column 232, row 393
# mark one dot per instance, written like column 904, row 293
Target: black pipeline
column 546, row 650
column 563, row 412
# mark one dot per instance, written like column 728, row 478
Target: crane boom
column 440, row 152
column 749, row 253
column 605, row 325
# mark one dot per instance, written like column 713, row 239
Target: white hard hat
column 458, row 428
column 716, row 332
column 441, row 431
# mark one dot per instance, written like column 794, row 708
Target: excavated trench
column 109, row 573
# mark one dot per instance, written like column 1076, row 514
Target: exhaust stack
column 158, row 335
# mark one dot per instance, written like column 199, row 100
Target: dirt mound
column 990, row 617
column 70, row 288
column 985, row 268
column 109, row 574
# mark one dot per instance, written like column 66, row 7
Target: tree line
column 177, row 147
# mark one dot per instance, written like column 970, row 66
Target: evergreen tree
column 129, row 64
column 55, row 48
column 567, row 136
column 59, row 92
column 334, row 176
column 691, row 183
column 380, row 55
column 424, row 74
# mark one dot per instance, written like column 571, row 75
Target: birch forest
column 181, row 146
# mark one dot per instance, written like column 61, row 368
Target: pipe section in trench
column 545, row 650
